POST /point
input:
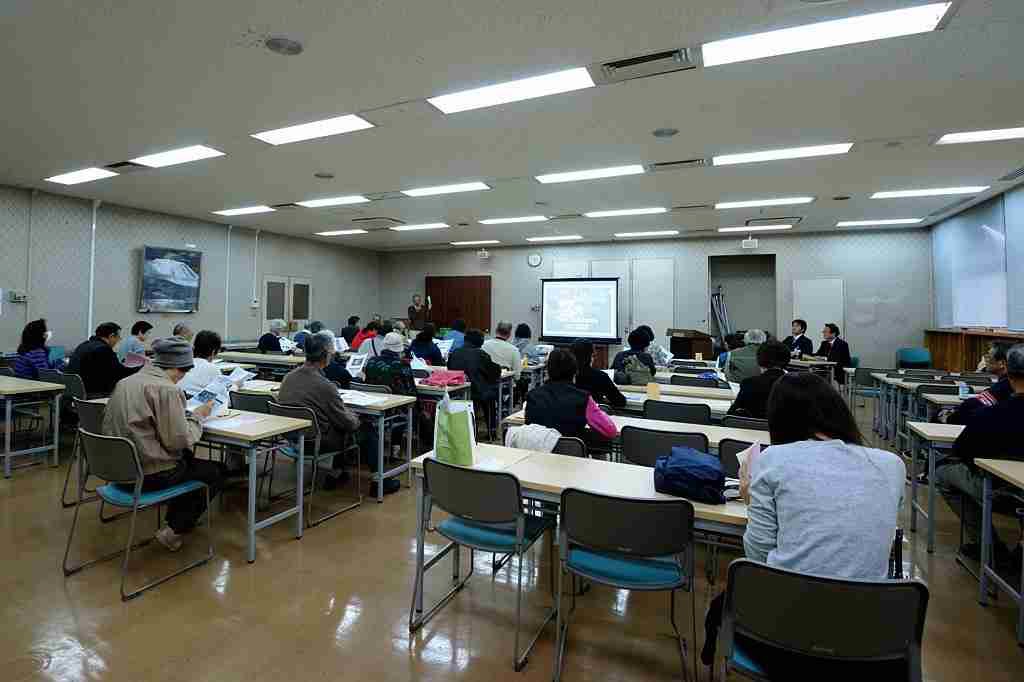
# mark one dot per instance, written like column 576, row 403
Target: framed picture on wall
column 170, row 280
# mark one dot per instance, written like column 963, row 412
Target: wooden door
column 463, row 297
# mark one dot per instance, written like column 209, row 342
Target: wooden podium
column 686, row 343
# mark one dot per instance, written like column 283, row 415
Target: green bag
column 454, row 436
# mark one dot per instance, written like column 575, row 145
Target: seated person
column 559, row 405
column 204, row 350
column 306, row 386
column 335, row 369
column 183, row 331
column 33, row 355
column 349, row 332
column 149, row 410
column 595, row 382
column 835, row 349
column 742, row 361
column 389, row 368
column 457, row 334
column 523, row 339
column 95, row 361
column 752, row 400
column 797, row 521
column 995, row 432
column 658, row 353
column 995, row 363
column 482, row 372
column 425, row 349
column 797, row 343
column 502, row 351
column 314, row 327
column 638, row 343
column 271, row 341
column 375, row 345
column 368, row 332
column 136, row 343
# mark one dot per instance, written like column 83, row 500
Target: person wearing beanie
column 148, row 408
column 389, row 368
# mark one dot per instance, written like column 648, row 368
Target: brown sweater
column 306, row 386
column 148, row 409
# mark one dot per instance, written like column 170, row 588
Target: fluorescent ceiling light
column 481, row 242
column 79, row 176
column 759, row 228
column 593, row 174
column 653, row 233
column 754, row 203
column 626, row 211
column 521, row 219
column 245, row 210
column 514, row 91
column 886, row 221
column 445, row 189
column 858, row 29
column 557, row 238
column 937, row 192
column 777, row 154
column 314, row 129
column 176, row 156
column 340, row 233
column 981, row 136
column 333, row 201
column 422, row 226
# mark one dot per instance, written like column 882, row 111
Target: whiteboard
column 617, row 268
column 654, row 295
column 819, row 301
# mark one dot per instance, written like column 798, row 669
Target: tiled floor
column 335, row 606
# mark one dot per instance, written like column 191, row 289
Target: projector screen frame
column 614, row 341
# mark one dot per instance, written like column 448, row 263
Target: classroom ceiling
column 92, row 84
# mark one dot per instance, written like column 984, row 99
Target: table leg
column 251, row 523
column 300, row 488
column 914, row 447
column 420, row 540
column 986, row 539
column 380, row 458
column 931, row 499
column 9, row 426
column 56, row 429
column 501, row 403
column 408, row 438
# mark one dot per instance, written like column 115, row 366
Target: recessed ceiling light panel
column 762, row 228
column 480, row 242
column 175, row 156
column 520, row 219
column 626, row 211
column 756, row 203
column 592, row 174
column 340, row 233
column 421, row 226
column 936, row 192
column 80, row 176
column 556, row 238
column 314, row 130
column 778, row 154
column 446, row 189
column 333, row 201
column 884, row 221
column 514, row 91
column 651, row 233
column 982, row 136
column 245, row 210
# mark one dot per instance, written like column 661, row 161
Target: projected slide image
column 580, row 308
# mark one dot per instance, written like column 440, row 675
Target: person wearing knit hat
column 392, row 370
column 148, row 408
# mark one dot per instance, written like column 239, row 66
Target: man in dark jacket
column 995, row 432
column 752, row 400
column 797, row 342
column 835, row 349
column 96, row 362
column 350, row 331
column 482, row 372
column 995, row 362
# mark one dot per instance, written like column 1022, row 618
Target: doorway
column 287, row 298
column 748, row 290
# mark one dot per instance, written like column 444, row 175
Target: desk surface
column 691, row 391
column 1009, row 470
column 552, row 474
column 15, row 386
column 715, row 434
column 719, row 407
column 811, row 362
column 439, row 390
column 230, row 366
column 262, row 359
column 940, row 399
column 936, row 433
column 263, row 426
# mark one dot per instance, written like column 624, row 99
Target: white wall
column 887, row 276
column 46, row 252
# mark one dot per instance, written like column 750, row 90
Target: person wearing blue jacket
column 33, row 355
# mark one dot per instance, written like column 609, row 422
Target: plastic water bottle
column 964, row 391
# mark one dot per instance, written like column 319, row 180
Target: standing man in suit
column 752, row 400
column 797, row 342
column 834, row 349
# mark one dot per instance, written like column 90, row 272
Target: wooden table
column 263, row 360
column 934, row 437
column 690, row 391
column 227, row 367
column 936, row 401
column 25, row 393
column 1013, row 473
column 635, row 403
column 715, row 434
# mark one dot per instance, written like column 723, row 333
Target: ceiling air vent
column 372, row 223
column 763, row 222
column 692, row 207
column 123, row 167
column 645, row 65
column 284, row 207
column 677, row 165
column 954, row 205
column 1013, row 175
